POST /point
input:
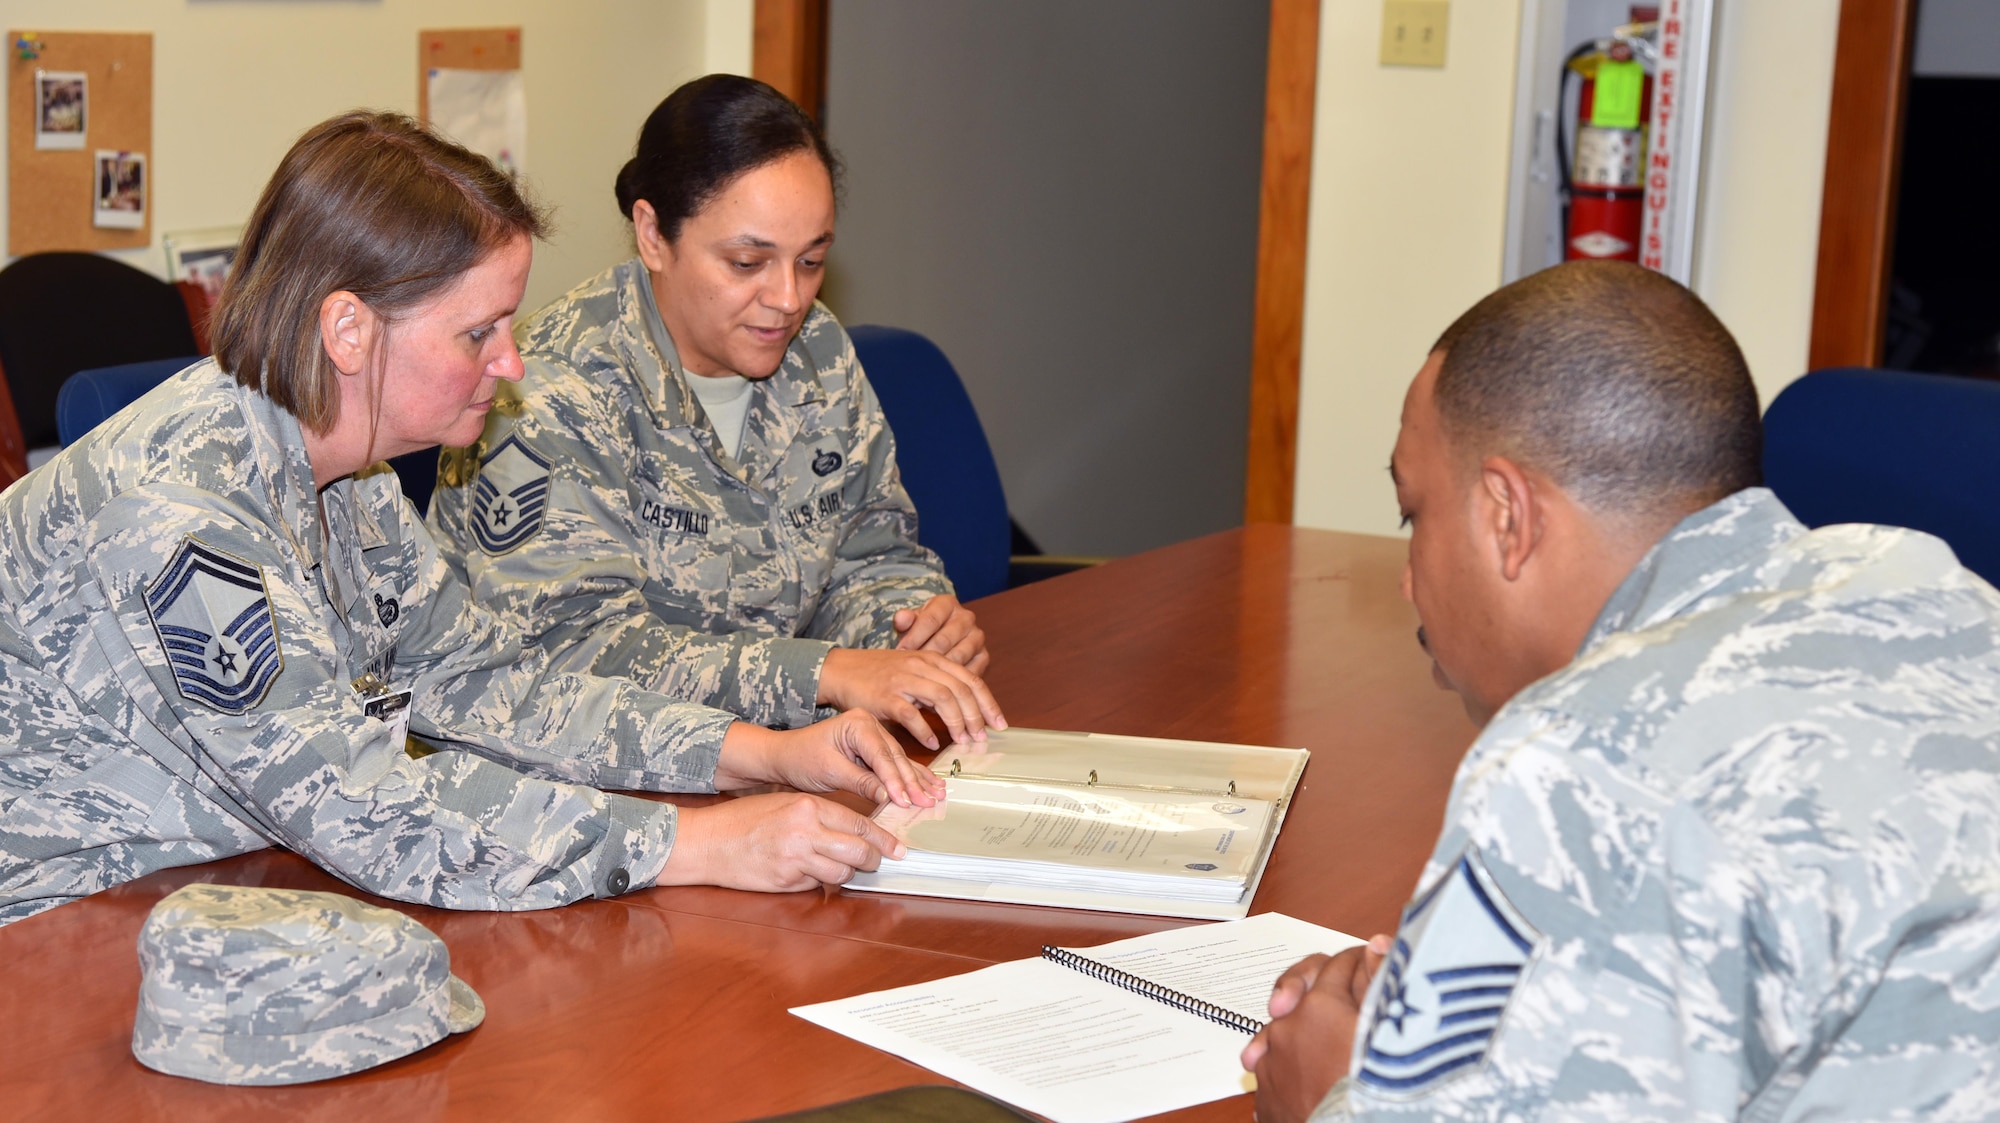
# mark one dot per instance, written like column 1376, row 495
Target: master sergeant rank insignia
column 510, row 497
column 1460, row 952
column 212, row 613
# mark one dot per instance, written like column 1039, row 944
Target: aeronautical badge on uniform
column 510, row 497
column 1444, row 989
column 212, row 613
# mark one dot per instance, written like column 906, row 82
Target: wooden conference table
column 671, row 1003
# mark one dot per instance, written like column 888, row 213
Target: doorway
column 1064, row 196
column 1944, row 293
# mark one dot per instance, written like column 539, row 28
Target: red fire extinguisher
column 1604, row 194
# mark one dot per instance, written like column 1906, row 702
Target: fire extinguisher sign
column 1660, row 164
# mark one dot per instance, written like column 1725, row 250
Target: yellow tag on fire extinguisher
column 1615, row 101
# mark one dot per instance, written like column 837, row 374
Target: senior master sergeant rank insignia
column 213, row 616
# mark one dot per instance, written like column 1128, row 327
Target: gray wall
column 1958, row 39
column 1063, row 195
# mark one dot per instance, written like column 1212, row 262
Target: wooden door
column 1871, row 81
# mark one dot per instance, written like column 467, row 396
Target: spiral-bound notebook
column 1147, row 988
column 1093, row 821
column 1095, row 1035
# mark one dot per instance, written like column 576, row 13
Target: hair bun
column 705, row 134
column 627, row 186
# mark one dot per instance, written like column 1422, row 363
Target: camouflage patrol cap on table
column 280, row 986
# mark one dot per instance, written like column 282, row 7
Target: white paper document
column 1155, row 763
column 1164, row 844
column 486, row 111
column 1052, row 1040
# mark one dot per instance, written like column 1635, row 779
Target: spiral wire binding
column 1177, row 999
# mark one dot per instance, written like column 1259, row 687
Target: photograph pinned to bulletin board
column 469, row 88
column 79, row 138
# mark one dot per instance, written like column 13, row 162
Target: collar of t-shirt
column 726, row 400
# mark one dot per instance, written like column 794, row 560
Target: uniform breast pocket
column 380, row 610
column 816, row 522
column 687, row 554
column 816, row 516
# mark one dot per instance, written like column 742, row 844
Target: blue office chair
column 947, row 465
column 89, row 397
column 418, row 473
column 65, row 312
column 1883, row 446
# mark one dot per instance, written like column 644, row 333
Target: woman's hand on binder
column 893, row 684
column 1304, row 1049
column 774, row 844
column 850, row 752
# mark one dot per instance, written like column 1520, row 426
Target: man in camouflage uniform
column 1739, row 857
column 602, row 515
column 191, row 670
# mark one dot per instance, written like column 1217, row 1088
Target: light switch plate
column 1414, row 31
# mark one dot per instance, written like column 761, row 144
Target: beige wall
column 729, row 35
column 1408, row 217
column 1767, row 164
column 235, row 83
column 1409, row 193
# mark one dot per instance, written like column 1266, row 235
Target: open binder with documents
column 1092, row 821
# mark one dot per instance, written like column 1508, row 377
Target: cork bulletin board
column 463, row 48
column 51, row 193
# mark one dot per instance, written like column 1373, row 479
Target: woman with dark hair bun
column 219, row 615
column 695, row 486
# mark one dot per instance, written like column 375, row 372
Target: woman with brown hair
column 219, row 616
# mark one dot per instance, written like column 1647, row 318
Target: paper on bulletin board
column 118, row 188
column 62, row 110
column 485, row 110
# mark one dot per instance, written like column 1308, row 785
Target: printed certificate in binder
column 1082, row 820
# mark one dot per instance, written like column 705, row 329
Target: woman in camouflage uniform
column 220, row 615
column 695, row 486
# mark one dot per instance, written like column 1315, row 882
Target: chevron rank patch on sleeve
column 510, row 497
column 1446, row 983
column 212, row 613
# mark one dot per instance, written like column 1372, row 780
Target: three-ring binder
column 1088, row 782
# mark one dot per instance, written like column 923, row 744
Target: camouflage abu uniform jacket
column 604, row 519
column 1739, row 860
column 176, row 683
